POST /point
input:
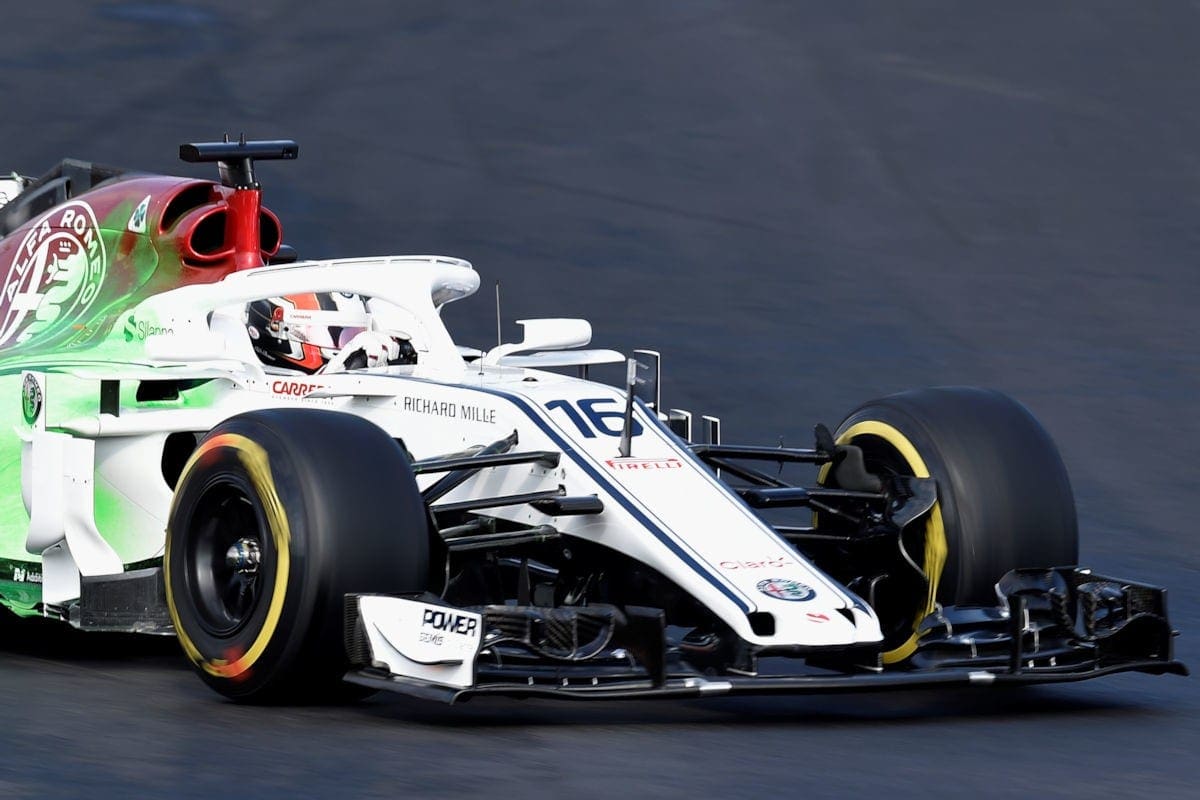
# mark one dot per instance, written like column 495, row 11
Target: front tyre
column 277, row 515
column 1004, row 499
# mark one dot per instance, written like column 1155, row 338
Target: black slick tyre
column 1004, row 499
column 277, row 515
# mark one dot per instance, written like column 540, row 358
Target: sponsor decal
column 31, row 399
column 143, row 330
column 56, row 273
column 22, row 575
column 436, row 624
column 430, row 643
column 642, row 464
column 770, row 563
column 815, row 617
column 785, row 589
column 295, row 388
column 466, row 412
column 137, row 221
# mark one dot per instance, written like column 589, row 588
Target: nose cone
column 806, row 617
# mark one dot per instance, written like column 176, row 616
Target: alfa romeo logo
column 31, row 399
column 55, row 275
column 784, row 589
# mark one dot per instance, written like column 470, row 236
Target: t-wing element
column 235, row 161
column 544, row 334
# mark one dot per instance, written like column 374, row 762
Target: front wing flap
column 1051, row 626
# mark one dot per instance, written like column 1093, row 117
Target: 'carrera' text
column 294, row 388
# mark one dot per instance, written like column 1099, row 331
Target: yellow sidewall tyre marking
column 254, row 459
column 936, row 547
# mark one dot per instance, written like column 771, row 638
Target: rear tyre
column 1004, row 499
column 277, row 515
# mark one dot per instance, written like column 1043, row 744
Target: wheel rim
column 223, row 559
column 886, row 452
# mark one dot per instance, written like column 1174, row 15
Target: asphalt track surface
column 803, row 206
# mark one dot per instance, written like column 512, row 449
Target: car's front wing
column 1051, row 626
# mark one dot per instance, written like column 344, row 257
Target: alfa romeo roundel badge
column 31, row 399
column 784, row 589
column 56, row 274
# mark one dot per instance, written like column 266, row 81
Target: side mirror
column 544, row 334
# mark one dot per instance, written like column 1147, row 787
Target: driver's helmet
column 308, row 331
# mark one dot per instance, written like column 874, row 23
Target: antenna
column 626, row 446
column 499, row 340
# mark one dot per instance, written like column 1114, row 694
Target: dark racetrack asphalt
column 803, row 206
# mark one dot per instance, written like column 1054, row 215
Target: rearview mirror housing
column 553, row 333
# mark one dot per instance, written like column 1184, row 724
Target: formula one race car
column 292, row 467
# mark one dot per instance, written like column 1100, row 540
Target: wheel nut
column 243, row 556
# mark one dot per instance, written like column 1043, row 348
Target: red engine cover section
column 70, row 272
